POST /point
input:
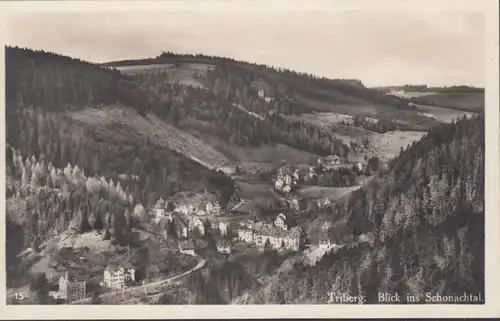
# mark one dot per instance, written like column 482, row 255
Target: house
column 224, row 246
column 187, row 247
column 326, row 242
column 213, row 207
column 332, row 160
column 181, row 227
column 201, row 212
column 278, row 238
column 223, row 227
column 294, row 204
column 118, row 276
column 245, row 234
column 197, row 225
column 322, row 203
column 287, row 189
column 72, row 286
column 183, row 209
column 279, row 184
column 282, row 222
column 160, row 207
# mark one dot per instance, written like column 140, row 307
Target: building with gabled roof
column 73, row 286
column 224, row 246
column 187, row 247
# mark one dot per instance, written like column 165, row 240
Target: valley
column 191, row 179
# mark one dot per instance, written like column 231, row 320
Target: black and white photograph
column 238, row 153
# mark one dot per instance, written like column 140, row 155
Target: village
column 187, row 220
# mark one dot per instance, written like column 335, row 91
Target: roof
column 114, row 266
column 186, row 245
column 331, row 157
column 76, row 276
column 223, row 242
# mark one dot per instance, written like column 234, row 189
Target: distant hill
column 420, row 229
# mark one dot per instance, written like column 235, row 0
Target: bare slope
column 126, row 121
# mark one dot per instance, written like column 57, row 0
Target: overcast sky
column 379, row 48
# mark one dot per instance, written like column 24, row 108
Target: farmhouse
column 224, row 246
column 187, row 247
column 72, row 286
column 118, row 276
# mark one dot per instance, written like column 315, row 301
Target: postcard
column 228, row 159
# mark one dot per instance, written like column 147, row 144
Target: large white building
column 118, row 276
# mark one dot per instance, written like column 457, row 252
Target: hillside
column 278, row 106
column 64, row 149
column 418, row 229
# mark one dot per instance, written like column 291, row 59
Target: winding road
column 140, row 289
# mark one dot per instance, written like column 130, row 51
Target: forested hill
column 278, row 81
column 42, row 90
column 419, row 229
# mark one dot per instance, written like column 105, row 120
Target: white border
column 490, row 309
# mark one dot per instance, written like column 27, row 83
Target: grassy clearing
column 253, row 190
column 388, row 145
column 184, row 73
column 333, row 193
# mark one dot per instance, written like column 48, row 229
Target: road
column 137, row 290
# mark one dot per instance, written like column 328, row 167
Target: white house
column 117, row 277
column 223, row 228
column 213, row 207
column 160, row 207
column 326, row 242
column 287, row 189
column 197, row 224
column 281, row 221
column 182, row 209
column 279, row 184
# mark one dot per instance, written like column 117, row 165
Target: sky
column 379, row 47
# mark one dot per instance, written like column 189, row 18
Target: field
column 113, row 120
column 388, row 145
column 333, row 193
column 473, row 102
column 266, row 157
column 444, row 115
column 253, row 190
